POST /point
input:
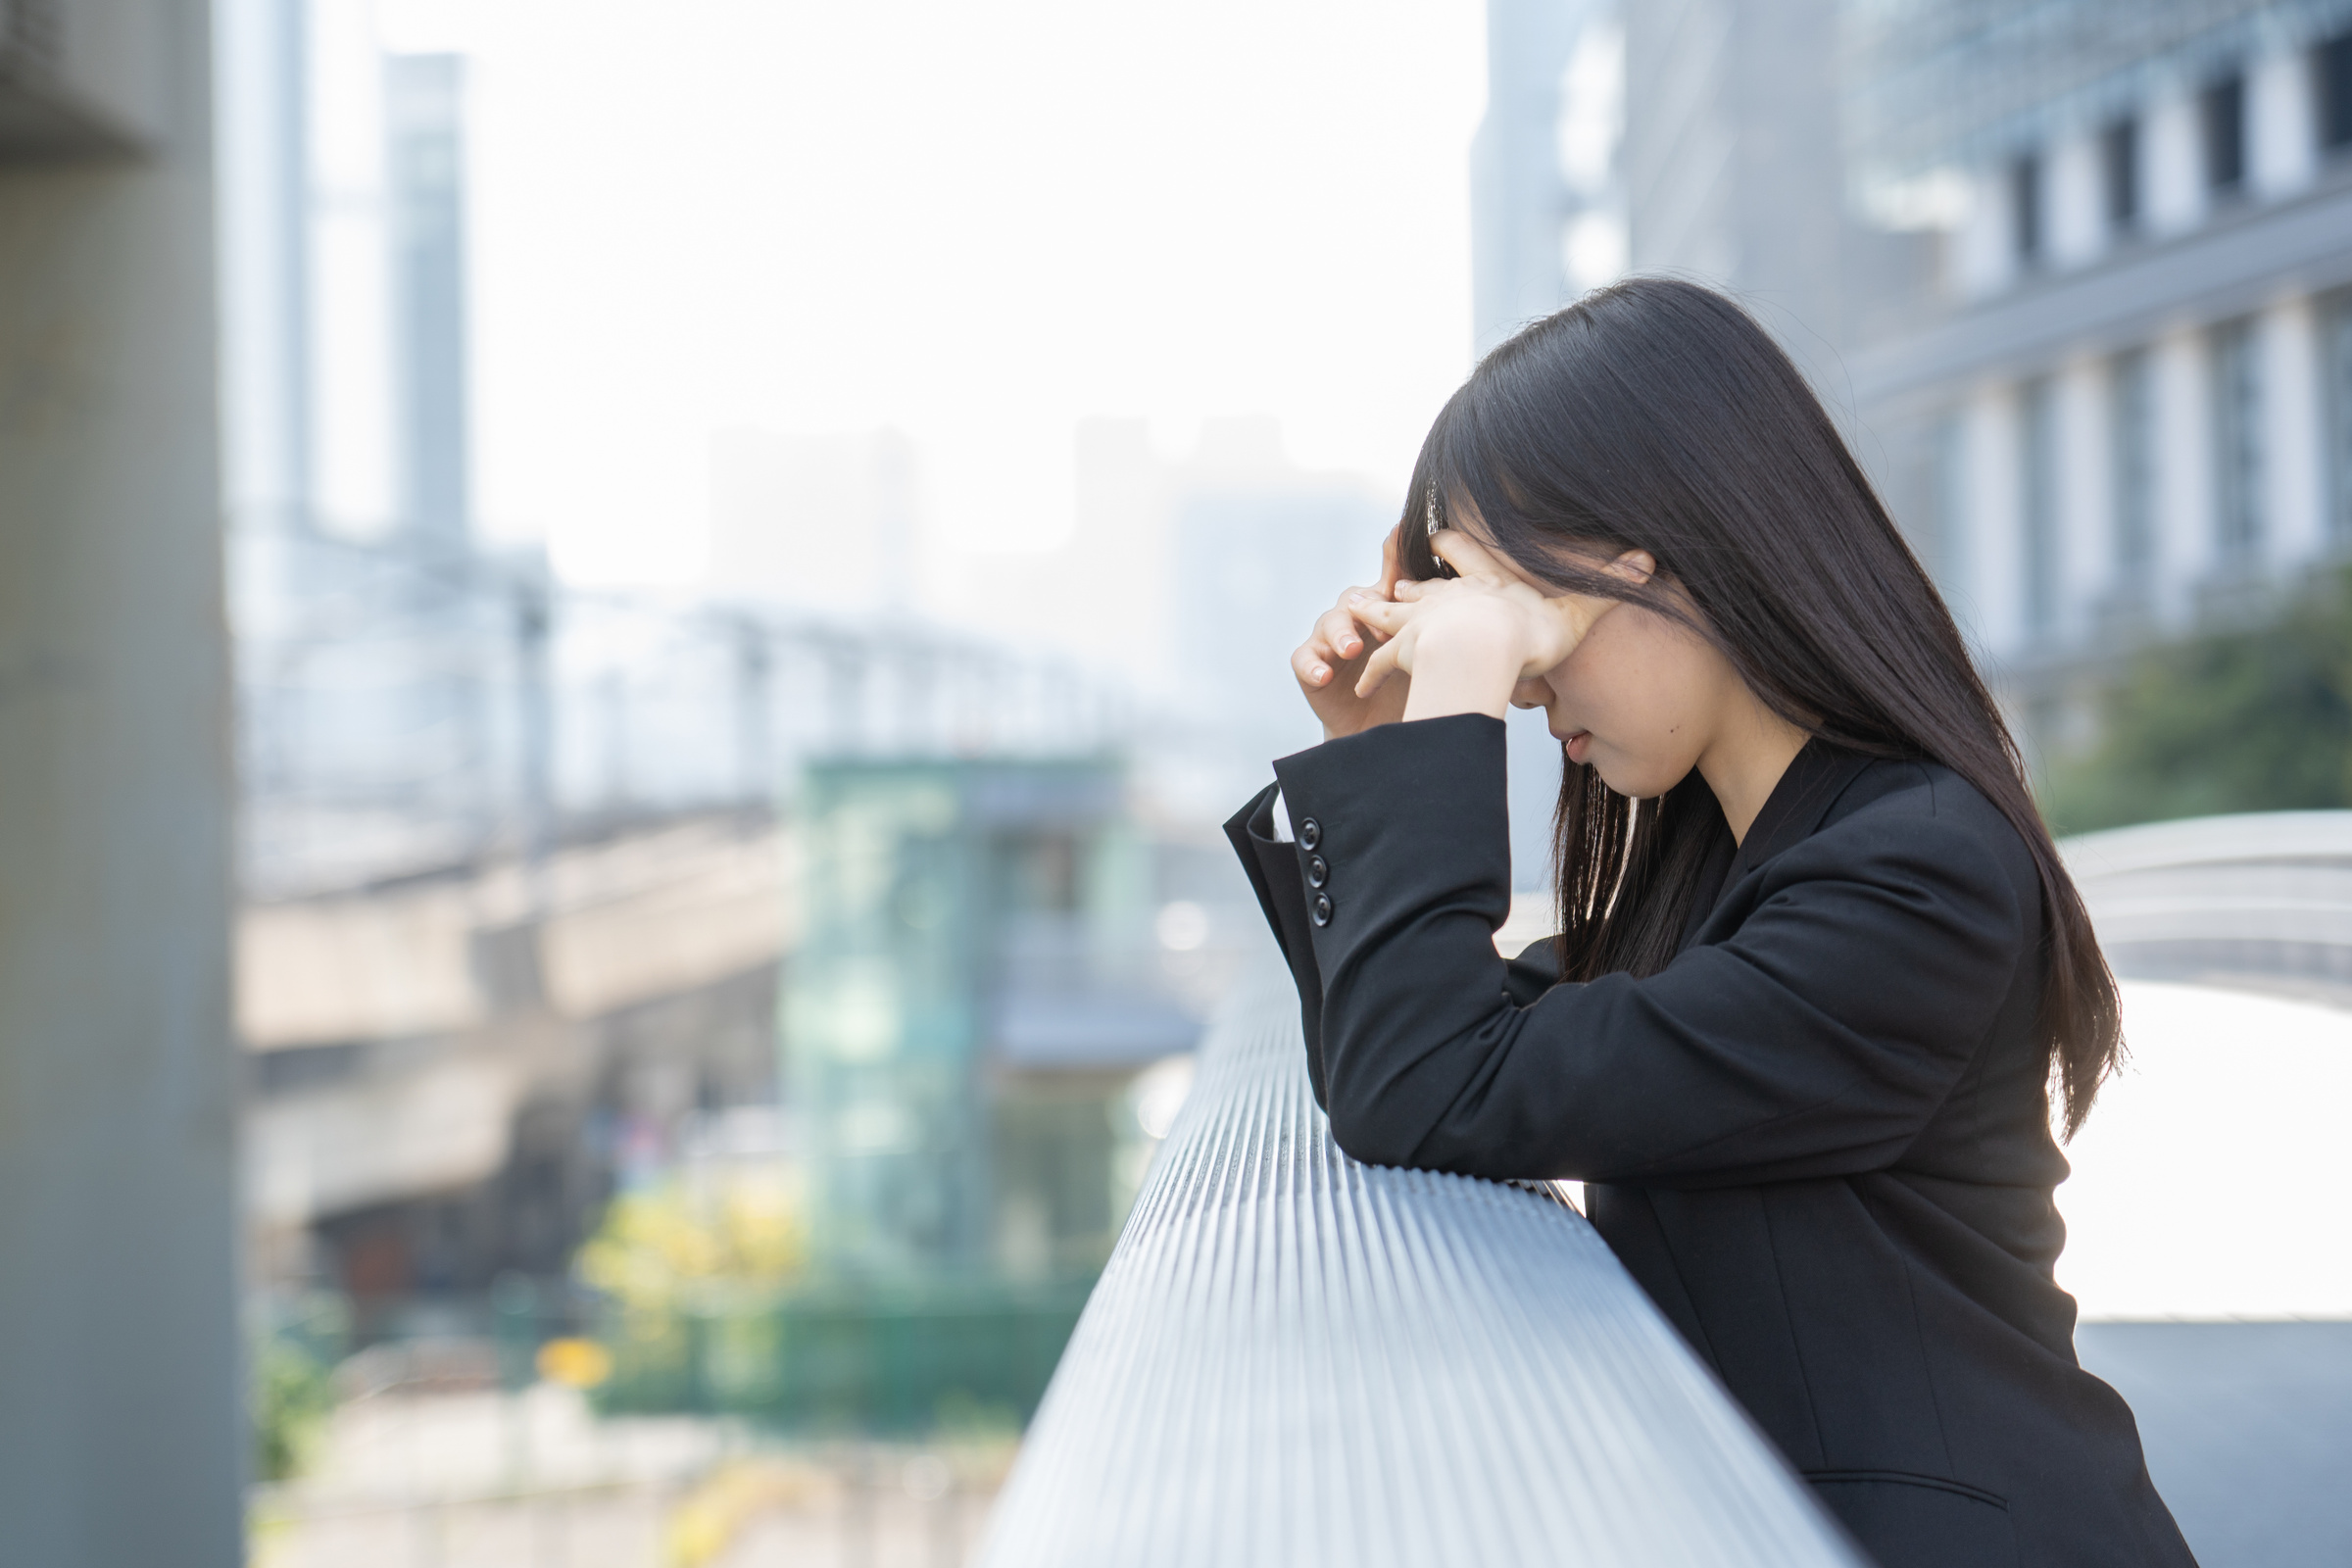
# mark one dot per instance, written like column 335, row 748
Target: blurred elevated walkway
column 395, row 1035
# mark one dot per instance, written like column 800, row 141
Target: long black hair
column 1657, row 414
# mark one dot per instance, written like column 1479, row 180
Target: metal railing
column 1294, row 1358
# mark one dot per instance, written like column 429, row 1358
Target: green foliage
column 2258, row 719
column 963, row 1358
column 292, row 1398
column 670, row 1241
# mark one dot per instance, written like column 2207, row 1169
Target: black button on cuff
column 1322, row 909
column 1319, row 871
column 1310, row 834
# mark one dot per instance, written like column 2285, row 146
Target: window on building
column 2332, row 66
column 2238, row 441
column 2132, row 432
column 2339, row 348
column 2223, row 108
column 2037, row 511
column 2024, row 207
column 2119, row 173
column 1039, row 872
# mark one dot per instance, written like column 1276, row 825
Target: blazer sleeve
column 1274, row 872
column 1816, row 1040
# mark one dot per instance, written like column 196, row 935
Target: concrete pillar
column 2075, row 199
column 1984, row 252
column 1995, row 530
column 2281, row 122
column 2295, row 394
column 120, row 1441
column 2180, row 362
column 2172, row 159
column 2085, row 547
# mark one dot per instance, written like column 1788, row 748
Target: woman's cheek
column 1641, row 745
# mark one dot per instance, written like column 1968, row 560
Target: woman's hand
column 1335, row 654
column 1470, row 642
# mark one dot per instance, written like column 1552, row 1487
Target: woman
column 1819, row 962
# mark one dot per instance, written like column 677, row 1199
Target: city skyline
column 824, row 262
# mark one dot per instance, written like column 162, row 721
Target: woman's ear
column 1635, row 565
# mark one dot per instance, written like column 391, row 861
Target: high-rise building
column 372, row 628
column 424, row 105
column 2119, row 414
column 1191, row 578
column 1546, row 220
column 1734, row 175
column 2070, row 272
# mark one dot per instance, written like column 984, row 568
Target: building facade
column 1546, row 211
column 2070, row 272
column 2122, row 412
column 976, row 984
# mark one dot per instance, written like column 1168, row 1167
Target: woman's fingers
column 1391, row 567
column 1385, row 616
column 1339, row 632
column 1382, row 663
column 1341, row 636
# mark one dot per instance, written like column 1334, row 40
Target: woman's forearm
column 1462, row 668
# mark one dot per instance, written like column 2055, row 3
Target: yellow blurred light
column 574, row 1363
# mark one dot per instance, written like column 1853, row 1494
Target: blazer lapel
column 1792, row 813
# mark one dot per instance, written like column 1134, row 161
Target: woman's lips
column 1577, row 745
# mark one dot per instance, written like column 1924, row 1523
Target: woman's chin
column 1626, row 775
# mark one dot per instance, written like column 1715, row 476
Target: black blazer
column 1819, row 1138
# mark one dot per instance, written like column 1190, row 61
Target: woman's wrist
column 1462, row 668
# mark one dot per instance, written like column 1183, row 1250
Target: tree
column 2250, row 719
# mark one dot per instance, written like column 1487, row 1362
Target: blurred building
column 1257, row 548
column 2068, row 271
column 515, row 857
column 1547, row 210
column 2122, row 413
column 1548, row 223
column 1191, row 577
column 387, row 663
column 1732, row 166
column 981, row 975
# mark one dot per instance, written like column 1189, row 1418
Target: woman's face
column 1642, row 697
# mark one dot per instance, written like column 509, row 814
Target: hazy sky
column 975, row 223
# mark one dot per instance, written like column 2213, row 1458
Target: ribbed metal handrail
column 1296, row 1359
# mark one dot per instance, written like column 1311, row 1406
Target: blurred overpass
column 404, row 1041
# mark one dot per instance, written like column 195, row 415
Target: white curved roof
column 2261, row 901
